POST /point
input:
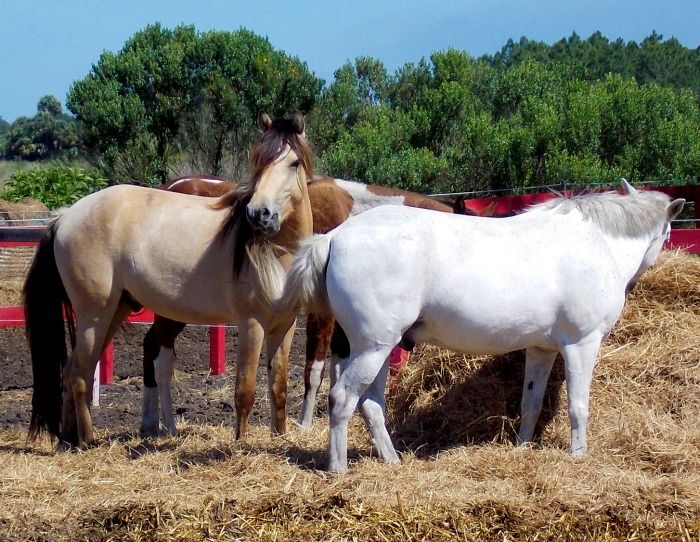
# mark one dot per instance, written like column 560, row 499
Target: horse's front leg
column 250, row 338
column 579, row 361
column 278, row 345
column 538, row 365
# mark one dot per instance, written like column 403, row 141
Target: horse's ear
column 627, row 188
column 675, row 208
column 264, row 121
column 298, row 122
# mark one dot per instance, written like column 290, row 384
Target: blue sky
column 45, row 45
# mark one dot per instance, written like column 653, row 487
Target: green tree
column 48, row 134
column 665, row 62
column 4, row 130
column 235, row 75
column 356, row 88
column 454, row 123
column 169, row 94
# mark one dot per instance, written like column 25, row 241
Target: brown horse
column 184, row 257
column 332, row 202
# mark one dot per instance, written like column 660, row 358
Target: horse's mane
column 282, row 132
column 620, row 215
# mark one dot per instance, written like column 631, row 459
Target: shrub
column 55, row 186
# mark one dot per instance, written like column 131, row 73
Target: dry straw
column 461, row 477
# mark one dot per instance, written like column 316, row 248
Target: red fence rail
column 13, row 316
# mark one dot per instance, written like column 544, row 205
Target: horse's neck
column 628, row 254
column 297, row 226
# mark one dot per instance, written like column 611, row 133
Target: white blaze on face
column 283, row 154
column 363, row 199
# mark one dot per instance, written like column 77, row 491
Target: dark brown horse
column 186, row 258
column 332, row 202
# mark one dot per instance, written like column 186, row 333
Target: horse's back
column 498, row 278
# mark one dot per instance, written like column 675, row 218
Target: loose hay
column 460, row 479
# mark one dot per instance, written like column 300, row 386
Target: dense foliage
column 55, row 186
column 178, row 94
column 578, row 111
column 455, row 123
column 48, row 134
column 653, row 60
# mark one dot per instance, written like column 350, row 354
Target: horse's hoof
column 304, row 426
column 337, row 469
column 64, row 446
column 148, row 432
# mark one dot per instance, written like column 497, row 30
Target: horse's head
column 282, row 165
column 669, row 209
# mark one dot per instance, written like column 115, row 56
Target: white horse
column 552, row 279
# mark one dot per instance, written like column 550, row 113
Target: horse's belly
column 204, row 309
column 484, row 336
column 187, row 297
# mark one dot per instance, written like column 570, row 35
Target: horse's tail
column 305, row 286
column 45, row 303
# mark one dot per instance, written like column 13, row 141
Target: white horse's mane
column 620, row 215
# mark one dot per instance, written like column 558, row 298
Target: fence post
column 96, row 386
column 107, row 364
column 217, row 349
column 397, row 360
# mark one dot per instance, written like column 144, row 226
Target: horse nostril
column 265, row 213
column 250, row 213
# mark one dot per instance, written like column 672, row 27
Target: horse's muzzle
column 263, row 221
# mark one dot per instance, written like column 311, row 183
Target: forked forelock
column 280, row 134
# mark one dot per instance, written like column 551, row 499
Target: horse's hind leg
column 150, row 404
column 92, row 336
column 318, row 335
column 158, row 363
column 538, row 366
column 250, row 337
column 358, row 374
column 372, row 409
column 579, row 361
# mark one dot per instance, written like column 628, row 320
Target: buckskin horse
column 332, row 202
column 562, row 269
column 186, row 258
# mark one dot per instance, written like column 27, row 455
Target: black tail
column 45, row 304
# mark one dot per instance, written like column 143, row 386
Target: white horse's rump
column 550, row 280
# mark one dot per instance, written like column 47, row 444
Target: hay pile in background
column 460, row 477
column 14, row 264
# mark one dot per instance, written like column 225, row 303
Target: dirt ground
column 198, row 397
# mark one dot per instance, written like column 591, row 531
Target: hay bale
column 646, row 387
column 25, row 209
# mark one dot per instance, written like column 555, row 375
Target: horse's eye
column 295, row 164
